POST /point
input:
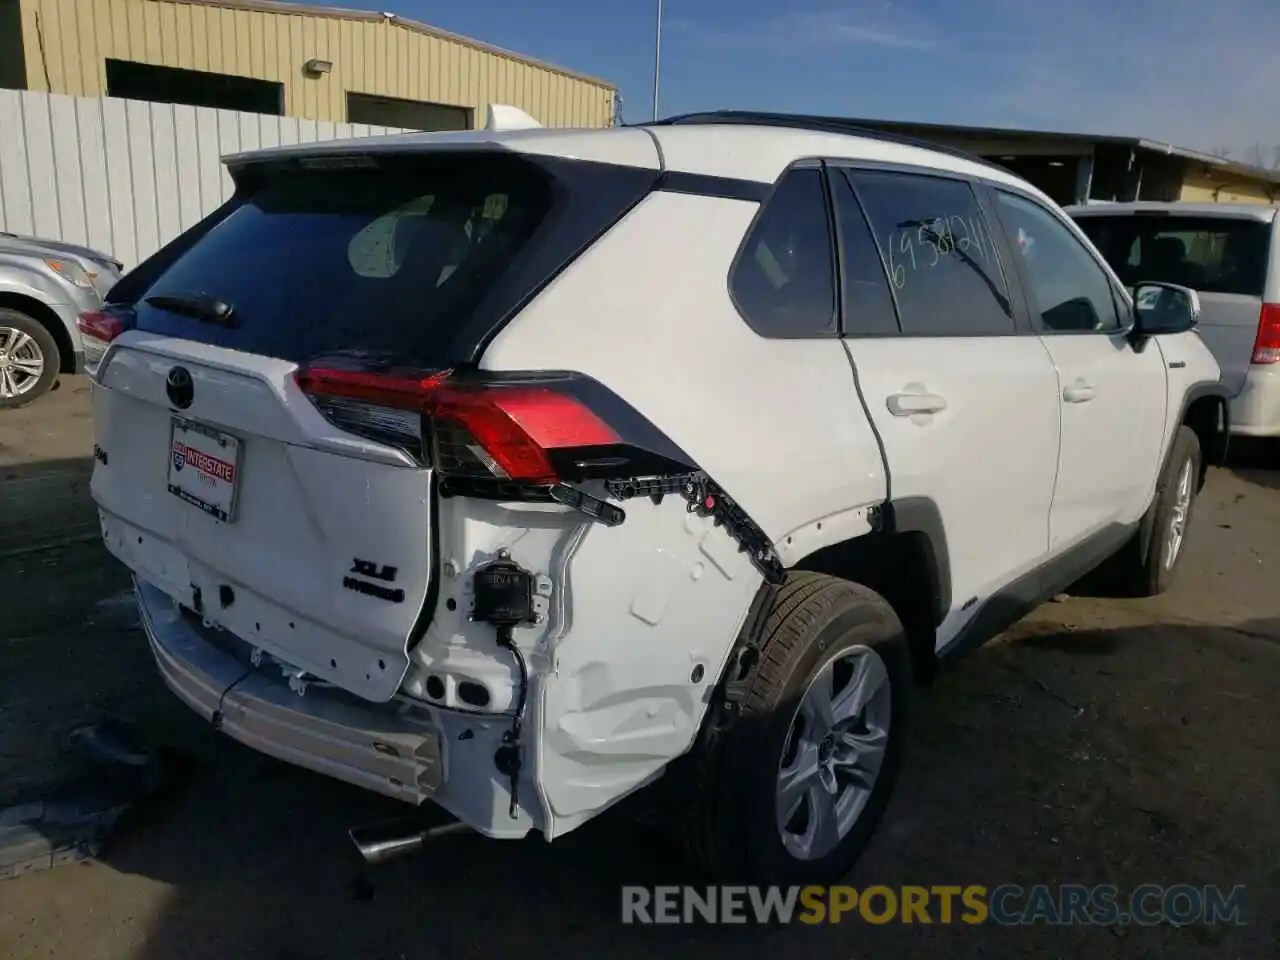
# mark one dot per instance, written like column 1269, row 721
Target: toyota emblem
column 180, row 387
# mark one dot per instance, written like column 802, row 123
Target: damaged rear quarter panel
column 655, row 606
column 775, row 423
column 638, row 623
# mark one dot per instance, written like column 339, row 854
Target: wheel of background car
column 794, row 788
column 29, row 359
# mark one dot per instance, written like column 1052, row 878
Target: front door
column 1112, row 394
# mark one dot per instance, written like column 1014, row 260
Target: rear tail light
column 529, row 437
column 97, row 329
column 100, row 325
column 532, row 431
column 1266, row 349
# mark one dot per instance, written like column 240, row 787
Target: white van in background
column 1227, row 254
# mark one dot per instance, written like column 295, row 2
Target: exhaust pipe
column 389, row 839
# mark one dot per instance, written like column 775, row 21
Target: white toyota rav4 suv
column 519, row 470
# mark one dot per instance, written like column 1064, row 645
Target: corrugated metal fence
column 127, row 176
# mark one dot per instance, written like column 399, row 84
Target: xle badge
column 367, row 568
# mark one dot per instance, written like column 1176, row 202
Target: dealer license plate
column 204, row 467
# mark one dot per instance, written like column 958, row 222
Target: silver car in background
column 44, row 287
column 1229, row 254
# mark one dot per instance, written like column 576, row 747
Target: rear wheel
column 29, row 359
column 792, row 790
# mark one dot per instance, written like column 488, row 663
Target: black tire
column 729, row 826
column 14, row 320
column 1141, row 568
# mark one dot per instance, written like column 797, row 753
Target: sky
column 1194, row 73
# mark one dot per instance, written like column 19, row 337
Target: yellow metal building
column 319, row 63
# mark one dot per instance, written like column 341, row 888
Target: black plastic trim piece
column 706, row 498
column 1013, row 602
column 1198, row 391
column 706, row 185
column 921, row 515
column 1216, row 455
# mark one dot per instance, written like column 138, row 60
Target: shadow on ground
column 1256, row 461
column 45, row 504
column 1123, row 756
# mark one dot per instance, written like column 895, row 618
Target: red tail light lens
column 503, row 431
column 97, row 329
column 100, row 325
column 1266, row 349
column 512, row 429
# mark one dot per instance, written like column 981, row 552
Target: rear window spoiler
column 503, row 116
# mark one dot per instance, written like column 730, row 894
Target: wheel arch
column 905, row 559
column 44, row 315
column 1207, row 411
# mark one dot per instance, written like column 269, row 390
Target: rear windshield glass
column 384, row 260
column 1209, row 254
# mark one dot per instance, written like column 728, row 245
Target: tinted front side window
column 939, row 254
column 783, row 281
column 868, row 304
column 1209, row 254
column 385, row 261
column 1069, row 290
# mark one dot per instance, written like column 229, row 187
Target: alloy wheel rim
column 1180, row 514
column 21, row 362
column 835, row 747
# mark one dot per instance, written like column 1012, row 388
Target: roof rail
column 802, row 121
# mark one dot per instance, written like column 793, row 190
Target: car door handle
column 1078, row 392
column 912, row 404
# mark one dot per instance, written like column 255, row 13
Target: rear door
column 960, row 389
column 304, row 526
column 1223, row 257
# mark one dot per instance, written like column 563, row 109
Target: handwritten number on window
column 925, row 235
column 936, row 238
column 897, row 272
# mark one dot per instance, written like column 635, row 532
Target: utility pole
column 657, row 59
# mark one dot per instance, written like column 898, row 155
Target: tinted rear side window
column 1209, row 254
column 939, row 254
column 388, row 260
column 783, row 281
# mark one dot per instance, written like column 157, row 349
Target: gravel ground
column 1100, row 741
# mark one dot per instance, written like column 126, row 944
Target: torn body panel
column 637, row 622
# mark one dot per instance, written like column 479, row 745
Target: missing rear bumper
column 410, row 752
column 390, row 750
